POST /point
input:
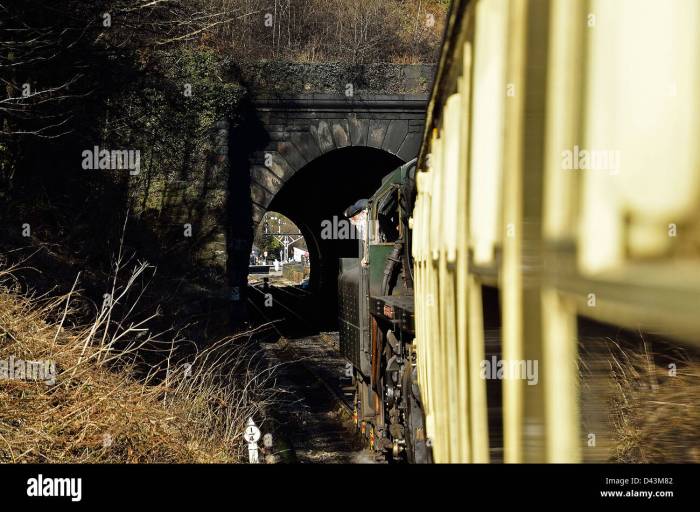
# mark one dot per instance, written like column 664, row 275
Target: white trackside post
column 252, row 435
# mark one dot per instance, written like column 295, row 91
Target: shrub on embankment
column 640, row 400
column 94, row 399
column 655, row 409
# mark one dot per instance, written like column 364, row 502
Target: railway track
column 329, row 339
column 316, row 422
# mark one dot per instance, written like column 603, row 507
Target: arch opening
column 279, row 240
column 317, row 195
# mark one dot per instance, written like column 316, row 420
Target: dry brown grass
column 106, row 404
column 655, row 414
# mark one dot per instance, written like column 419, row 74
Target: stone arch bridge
column 309, row 155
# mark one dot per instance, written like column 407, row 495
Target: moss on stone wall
column 180, row 194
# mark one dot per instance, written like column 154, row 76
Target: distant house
column 300, row 255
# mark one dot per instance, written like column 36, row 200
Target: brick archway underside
column 300, row 130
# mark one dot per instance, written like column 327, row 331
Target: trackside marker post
column 252, row 435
